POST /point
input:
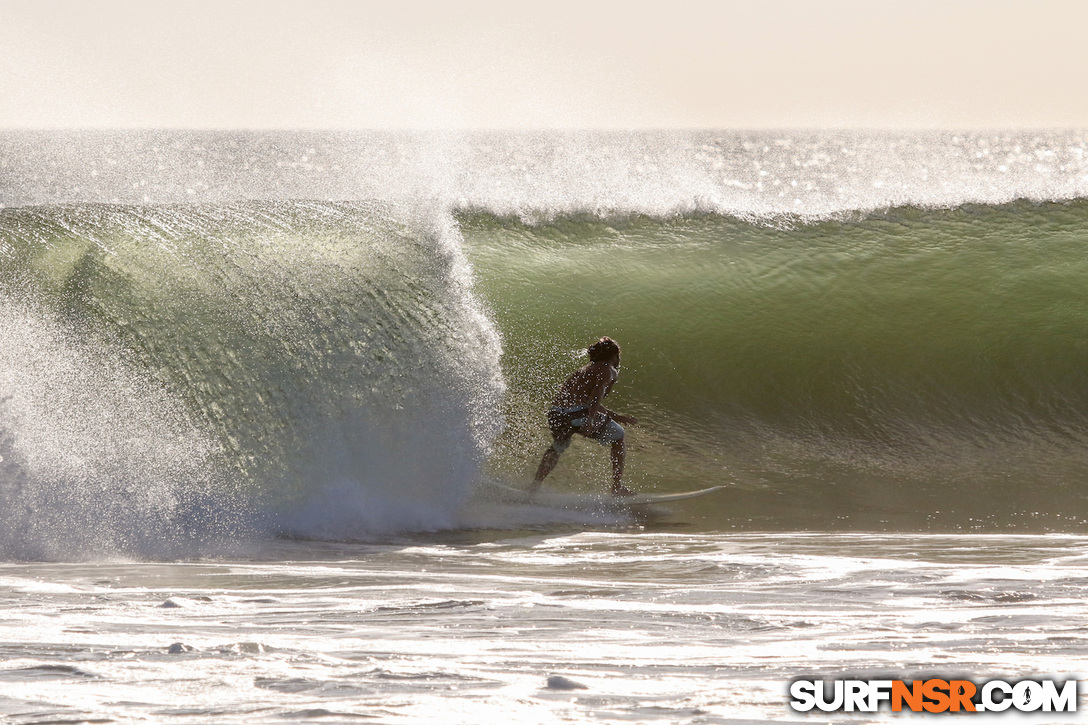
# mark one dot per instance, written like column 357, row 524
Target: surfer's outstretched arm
column 622, row 419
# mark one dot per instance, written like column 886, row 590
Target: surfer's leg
column 547, row 465
column 619, row 451
column 613, row 434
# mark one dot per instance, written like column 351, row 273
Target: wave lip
column 549, row 175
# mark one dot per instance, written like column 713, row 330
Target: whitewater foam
column 336, row 374
column 97, row 460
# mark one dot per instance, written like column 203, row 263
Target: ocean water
column 254, row 388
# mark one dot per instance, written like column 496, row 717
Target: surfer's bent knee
column 611, row 433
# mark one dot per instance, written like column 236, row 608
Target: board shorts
column 565, row 422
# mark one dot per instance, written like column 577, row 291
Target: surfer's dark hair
column 603, row 350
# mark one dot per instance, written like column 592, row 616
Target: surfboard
column 651, row 498
column 550, row 497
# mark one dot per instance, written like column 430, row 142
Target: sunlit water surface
column 656, row 627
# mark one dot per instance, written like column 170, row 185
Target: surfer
column 577, row 409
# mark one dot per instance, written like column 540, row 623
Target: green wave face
column 339, row 369
column 873, row 363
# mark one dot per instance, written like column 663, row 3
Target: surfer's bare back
column 577, row 408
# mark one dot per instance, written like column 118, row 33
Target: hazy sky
column 510, row 64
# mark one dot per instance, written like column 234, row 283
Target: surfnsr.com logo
column 934, row 695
